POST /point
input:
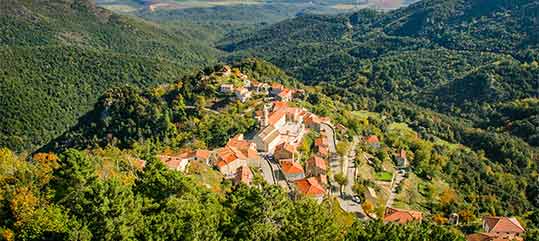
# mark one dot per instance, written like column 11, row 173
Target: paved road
column 268, row 170
column 350, row 170
column 330, row 132
column 398, row 179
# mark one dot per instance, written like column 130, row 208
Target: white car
column 356, row 199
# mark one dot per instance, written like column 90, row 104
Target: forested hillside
column 59, row 56
column 482, row 172
column 454, row 57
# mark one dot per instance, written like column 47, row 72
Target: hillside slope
column 59, row 55
column 456, row 57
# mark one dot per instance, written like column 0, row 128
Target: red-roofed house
column 276, row 88
column 499, row 228
column 401, row 216
column 284, row 151
column 316, row 166
column 235, row 154
column 310, row 187
column 322, row 146
column 400, row 158
column 373, row 141
column 177, row 162
column 243, row 175
column 490, row 237
column 291, row 170
column 284, row 95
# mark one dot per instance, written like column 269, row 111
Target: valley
column 269, row 120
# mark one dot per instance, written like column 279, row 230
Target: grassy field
column 383, row 176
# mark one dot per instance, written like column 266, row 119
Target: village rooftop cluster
column 274, row 150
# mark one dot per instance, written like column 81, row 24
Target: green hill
column 59, row 56
column 455, row 57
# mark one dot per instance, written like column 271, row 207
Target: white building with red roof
column 310, row 187
column 237, row 153
column 499, row 228
column 243, row 175
column 402, row 216
column 316, row 166
column 291, row 170
column 181, row 161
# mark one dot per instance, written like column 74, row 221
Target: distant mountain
column 453, row 56
column 59, row 55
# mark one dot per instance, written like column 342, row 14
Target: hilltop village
column 276, row 153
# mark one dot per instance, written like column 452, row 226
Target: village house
column 322, row 146
column 243, row 175
column 499, row 228
column 237, row 153
column 276, row 89
column 373, row 141
column 226, row 88
column 291, row 170
column 312, row 121
column 242, row 94
column 316, row 166
column 181, row 161
column 401, row 216
column 259, row 87
column 400, row 159
column 284, row 151
column 285, row 95
column 310, row 187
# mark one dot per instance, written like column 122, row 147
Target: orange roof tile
column 276, row 116
column 316, row 161
column 490, row 237
column 310, row 187
column 202, row 154
column 401, row 216
column 285, row 147
column 503, row 224
column 321, row 141
column 373, row 139
column 244, row 175
column 280, row 104
column 289, row 166
column 276, row 85
column 226, row 156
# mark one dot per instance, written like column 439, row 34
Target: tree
column 341, row 179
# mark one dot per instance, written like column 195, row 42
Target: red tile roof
column 202, row 154
column 280, row 104
column 285, row 147
column 402, row 154
column 490, row 237
column 503, row 225
column 401, row 216
column 244, row 175
column 321, row 141
column 289, row 166
column 276, row 116
column 373, row 139
column 316, row 161
column 310, row 187
column 276, row 86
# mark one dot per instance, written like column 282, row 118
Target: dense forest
column 59, row 56
column 455, row 57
